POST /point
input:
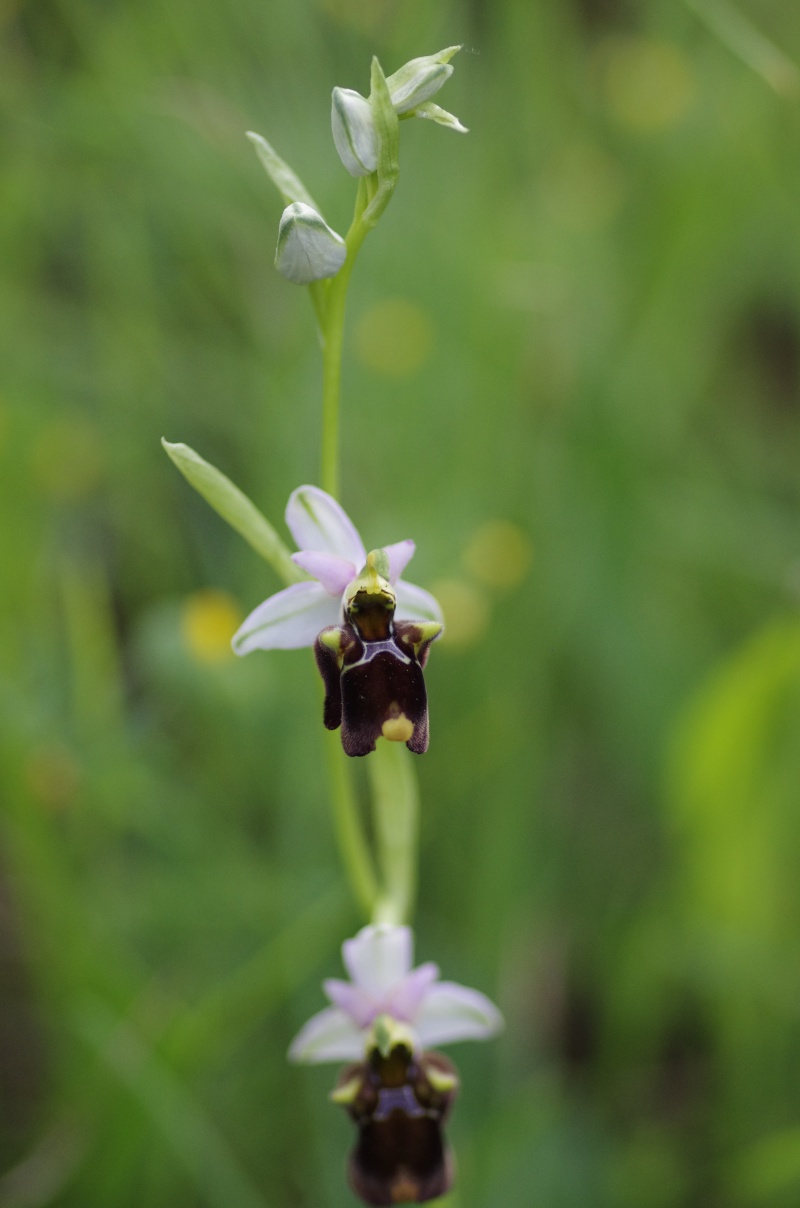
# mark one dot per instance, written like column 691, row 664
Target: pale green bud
column 308, row 249
column 354, row 131
column 417, row 80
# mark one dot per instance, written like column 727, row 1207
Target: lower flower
column 399, row 1101
column 396, row 1090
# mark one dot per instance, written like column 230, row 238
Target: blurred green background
column 573, row 375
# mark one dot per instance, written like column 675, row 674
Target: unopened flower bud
column 308, row 250
column 417, row 80
column 354, row 131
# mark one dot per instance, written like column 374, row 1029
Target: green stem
column 395, row 800
column 353, row 846
column 395, row 813
column 331, row 321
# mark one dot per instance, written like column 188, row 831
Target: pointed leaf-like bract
column 285, row 180
column 234, row 507
column 435, row 113
column 387, row 128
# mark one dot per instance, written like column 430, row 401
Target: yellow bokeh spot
column 466, row 611
column 648, row 84
column 209, row 619
column 365, row 16
column 499, row 554
column 582, row 187
column 68, row 459
column 394, row 337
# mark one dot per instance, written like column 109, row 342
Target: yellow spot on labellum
column 397, row 729
column 404, row 1189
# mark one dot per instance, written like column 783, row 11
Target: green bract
column 233, row 506
column 287, row 182
column 435, row 113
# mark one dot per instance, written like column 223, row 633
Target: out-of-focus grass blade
column 236, row 1004
column 749, row 44
column 768, row 1168
column 191, row 1134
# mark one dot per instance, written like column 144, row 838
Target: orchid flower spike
column 370, row 629
column 397, row 1092
column 383, row 985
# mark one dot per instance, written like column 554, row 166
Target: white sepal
column 318, row 522
column 288, row 620
column 450, row 1012
column 330, row 1035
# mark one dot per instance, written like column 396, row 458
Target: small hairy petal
column 333, row 572
column 317, row 522
column 399, row 555
column 378, row 957
column 288, row 620
column 405, row 999
column 354, row 1001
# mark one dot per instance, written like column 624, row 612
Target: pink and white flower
column 383, row 983
column 332, row 553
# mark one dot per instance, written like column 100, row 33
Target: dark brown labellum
column 400, row 1104
column 374, row 686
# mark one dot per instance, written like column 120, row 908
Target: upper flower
column 332, row 552
column 410, row 90
column 384, row 984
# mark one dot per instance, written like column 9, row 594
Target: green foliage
column 588, row 328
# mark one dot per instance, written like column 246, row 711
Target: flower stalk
column 330, row 317
column 395, row 814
